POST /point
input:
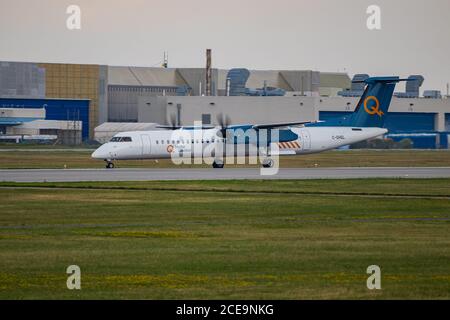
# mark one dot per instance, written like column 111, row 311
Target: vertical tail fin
column 374, row 104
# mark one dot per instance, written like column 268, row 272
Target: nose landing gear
column 109, row 164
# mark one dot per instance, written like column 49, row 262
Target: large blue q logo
column 372, row 106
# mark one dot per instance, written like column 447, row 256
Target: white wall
column 241, row 110
column 259, row 110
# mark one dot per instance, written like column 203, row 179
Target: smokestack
column 208, row 72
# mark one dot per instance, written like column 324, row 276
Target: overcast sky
column 323, row 35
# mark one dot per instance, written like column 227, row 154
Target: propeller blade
column 173, row 121
column 224, row 122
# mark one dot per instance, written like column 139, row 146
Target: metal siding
column 56, row 109
column 443, row 140
column 327, row 115
column 395, row 121
column 410, row 122
column 75, row 81
column 420, row 142
column 123, row 100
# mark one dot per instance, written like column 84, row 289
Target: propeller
column 224, row 122
column 172, row 121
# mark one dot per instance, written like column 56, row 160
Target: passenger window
column 168, row 141
column 157, row 141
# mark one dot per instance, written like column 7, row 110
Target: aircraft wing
column 279, row 125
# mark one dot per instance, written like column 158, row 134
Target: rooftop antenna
column 166, row 60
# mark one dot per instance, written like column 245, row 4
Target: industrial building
column 15, row 112
column 127, row 84
column 67, row 92
column 27, row 123
column 94, row 94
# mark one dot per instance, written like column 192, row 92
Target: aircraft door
column 306, row 137
column 146, row 144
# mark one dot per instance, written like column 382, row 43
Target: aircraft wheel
column 218, row 165
column 110, row 165
column 268, row 163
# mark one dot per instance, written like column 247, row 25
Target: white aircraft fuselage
column 164, row 144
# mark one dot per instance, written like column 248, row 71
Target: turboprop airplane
column 294, row 138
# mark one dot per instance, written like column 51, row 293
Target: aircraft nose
column 99, row 154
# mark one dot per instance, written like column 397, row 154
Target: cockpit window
column 121, row 139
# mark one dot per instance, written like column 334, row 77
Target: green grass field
column 29, row 158
column 226, row 239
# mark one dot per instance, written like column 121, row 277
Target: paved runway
column 61, row 175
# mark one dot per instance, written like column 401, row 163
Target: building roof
column 173, row 77
column 124, row 126
column 272, row 78
column 335, row 80
column 141, row 76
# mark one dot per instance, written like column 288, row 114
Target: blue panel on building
column 410, row 122
column 447, row 122
column 444, row 140
column 396, row 122
column 56, row 109
column 420, row 141
column 327, row 115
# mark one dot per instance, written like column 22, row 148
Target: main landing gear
column 268, row 163
column 109, row 164
column 218, row 165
